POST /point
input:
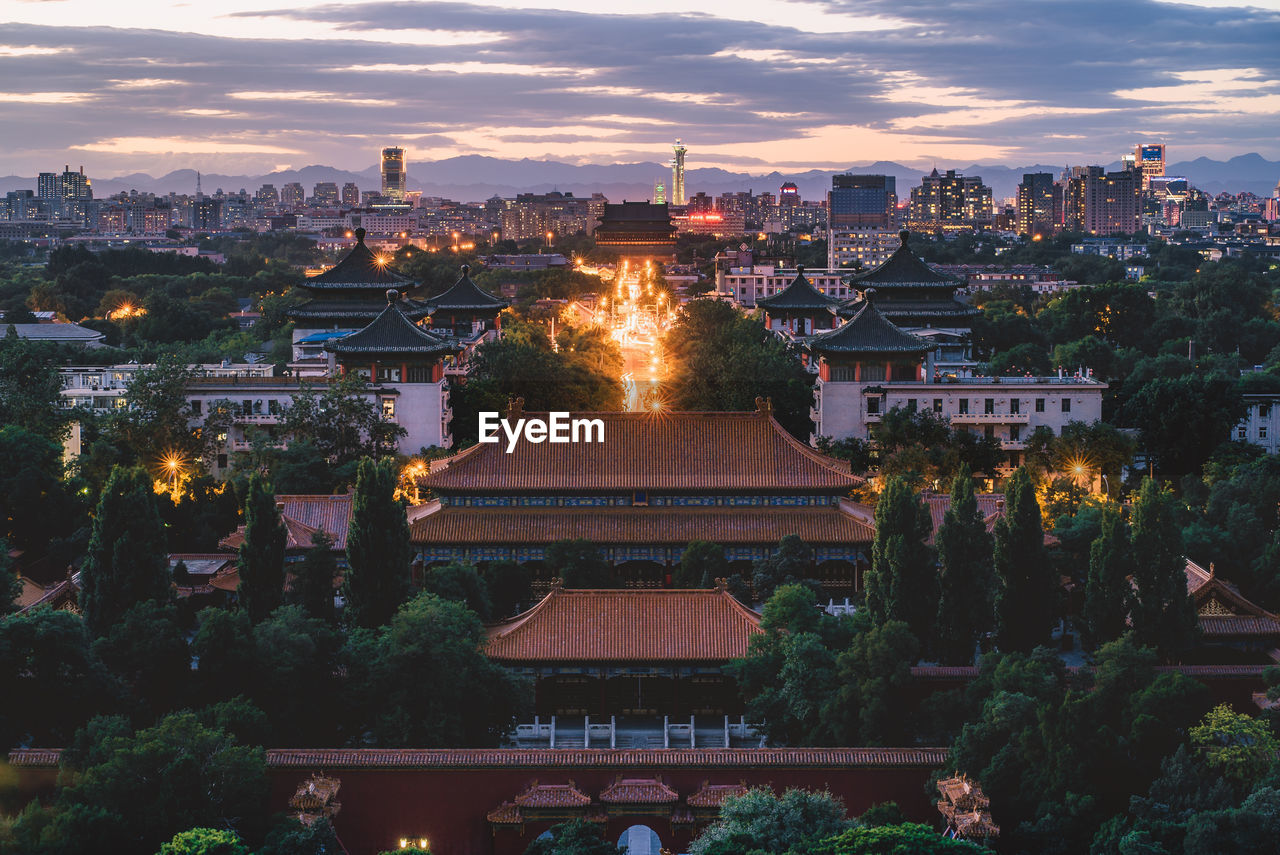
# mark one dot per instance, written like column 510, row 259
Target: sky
column 250, row 86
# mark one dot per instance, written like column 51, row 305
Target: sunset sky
column 150, row 86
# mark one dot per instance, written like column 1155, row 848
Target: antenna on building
column 199, row 192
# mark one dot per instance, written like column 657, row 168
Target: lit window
column 389, row 408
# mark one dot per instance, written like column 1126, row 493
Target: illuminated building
column 1039, row 204
column 465, row 309
column 709, row 223
column 860, row 247
column 267, row 195
column 949, row 202
column 292, row 195
column 393, row 174
column 1148, row 158
column 788, row 195
column 1102, row 203
column 67, row 195
column 351, row 194
column 637, row 230
column 800, row 308
column 677, row 173
column 325, row 194
column 531, row 215
column 860, row 202
column 659, row 193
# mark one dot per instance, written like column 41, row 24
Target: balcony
column 991, row 419
column 1013, row 445
column 873, row 417
column 258, row 418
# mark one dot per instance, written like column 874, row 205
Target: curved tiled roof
column 713, row 795
column 671, row 451
column 626, row 626
column 638, row 791
column 868, row 331
column 349, row 309
column 567, row 758
column 800, row 294
column 359, row 269
column 948, row 309
column 304, row 514
column 553, row 796
column 465, row 294
column 454, row 526
column 901, row 268
column 505, row 814
column 392, row 333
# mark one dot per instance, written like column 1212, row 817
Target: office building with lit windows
column 393, row 174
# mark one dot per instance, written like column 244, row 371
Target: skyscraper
column 677, row 173
column 863, row 201
column 1149, row 159
column 1039, row 204
column 351, row 194
column 393, row 174
column 1101, row 202
column 950, row 201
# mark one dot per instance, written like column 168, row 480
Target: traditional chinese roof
column 799, row 295
column 304, row 515
column 505, row 814
column 60, row 596
column 553, row 796
column 392, row 333
column 626, row 626
column 1223, row 611
column 466, row 295
column 638, row 791
column 367, row 310
column 868, row 332
column 462, row 526
column 676, row 452
column 360, row 270
column 903, row 268
column 713, row 795
column 911, row 312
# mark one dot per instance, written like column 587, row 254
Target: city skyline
column 756, row 86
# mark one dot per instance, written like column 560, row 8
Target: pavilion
column 800, row 308
column 465, row 308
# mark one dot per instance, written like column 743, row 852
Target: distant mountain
column 475, row 178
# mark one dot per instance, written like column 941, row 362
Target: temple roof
column 800, row 294
column 553, row 796
column 903, row 268
column 465, row 294
column 638, row 791
column 870, row 332
column 302, row 516
column 626, row 626
column 682, row 452
column 392, row 333
column 360, row 269
column 1223, row 611
column 946, row 309
column 353, row 309
column 713, row 795
column 665, row 526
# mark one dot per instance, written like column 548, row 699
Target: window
column 937, row 405
column 1015, row 432
column 964, row 406
column 1264, row 411
column 1039, row 405
column 1066, row 405
column 419, row 374
column 1015, row 405
column 388, row 408
column 911, row 405
column 273, row 406
column 873, row 372
column 989, row 406
column 873, row 406
column 1262, row 432
column 989, row 431
column 196, row 407
column 1242, row 432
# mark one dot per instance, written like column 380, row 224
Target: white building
column 747, row 285
column 860, row 248
column 1261, row 423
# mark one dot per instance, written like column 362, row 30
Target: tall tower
column 1149, row 158
column 393, row 174
column 677, row 174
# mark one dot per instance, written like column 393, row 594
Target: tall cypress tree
column 126, row 561
column 1163, row 615
column 262, row 553
column 966, row 607
column 1028, row 593
column 1108, row 592
column 378, row 548
column 313, row 577
column 903, row 581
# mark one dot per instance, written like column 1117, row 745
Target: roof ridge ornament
column 360, row 233
column 515, row 408
column 903, row 236
column 393, row 296
column 764, row 406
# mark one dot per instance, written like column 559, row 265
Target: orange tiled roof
column 670, row 451
column 990, row 505
column 454, row 526
column 553, row 796
column 505, row 814
column 626, row 626
column 638, row 791
column 1223, row 610
column 712, row 795
column 566, row 758
column 303, row 516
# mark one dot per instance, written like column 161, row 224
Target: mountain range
column 475, row 178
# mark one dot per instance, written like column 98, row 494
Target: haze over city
column 259, row 86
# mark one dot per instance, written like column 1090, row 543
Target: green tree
column 378, row 548
column 872, row 687
column 907, row 839
column 1027, row 597
column 30, row 388
column 146, row 650
column 204, row 841
column 294, row 665
column 314, row 577
column 10, row 586
column 126, row 561
column 35, row 506
column 1241, row 748
column 791, row 563
column 579, row 564
column 510, row 587
column 291, row 837
column 224, row 650
column 423, row 680
column 902, row 583
column 965, row 607
column 1164, row 617
column 461, row 583
column 759, row 821
column 1108, row 590
column 575, row 837
column 701, row 564
column 261, row 557
column 342, row 422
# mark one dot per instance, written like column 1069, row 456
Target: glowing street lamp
column 173, row 465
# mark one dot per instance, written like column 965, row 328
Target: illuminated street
column 638, row 315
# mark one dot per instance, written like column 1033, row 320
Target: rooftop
column 392, row 332
column 868, row 332
column 304, row 514
column 903, row 268
column 800, row 294
column 464, row 295
column 360, row 269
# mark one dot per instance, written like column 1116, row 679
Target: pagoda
column 800, row 308
column 637, row 230
column 465, row 309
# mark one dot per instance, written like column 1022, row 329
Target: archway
column 640, row 840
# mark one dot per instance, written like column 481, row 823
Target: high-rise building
column 950, row 201
column 1148, row 158
column 1103, row 203
column 393, row 174
column 677, row 173
column 326, row 193
column 68, row 194
column 863, row 201
column 788, row 195
column 292, row 195
column 1039, row 204
column 267, row 195
column 351, row 193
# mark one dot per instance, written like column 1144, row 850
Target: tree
column 30, row 387
column 871, row 689
column 313, row 579
column 790, row 564
column 147, row 652
column 342, row 422
column 205, row 841
column 378, row 548
column 35, row 506
column 903, row 581
column 759, row 821
column 579, row 564
column 965, row 607
column 701, row 564
column 10, row 585
column 1164, row 617
column 575, row 837
column 510, row 586
column 294, row 665
column 291, row 837
column 423, row 680
column 261, row 558
column 126, row 562
column 1027, row 598
column 1108, row 590
column 224, row 650
column 1241, row 748
column 460, row 583
column 907, row 839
